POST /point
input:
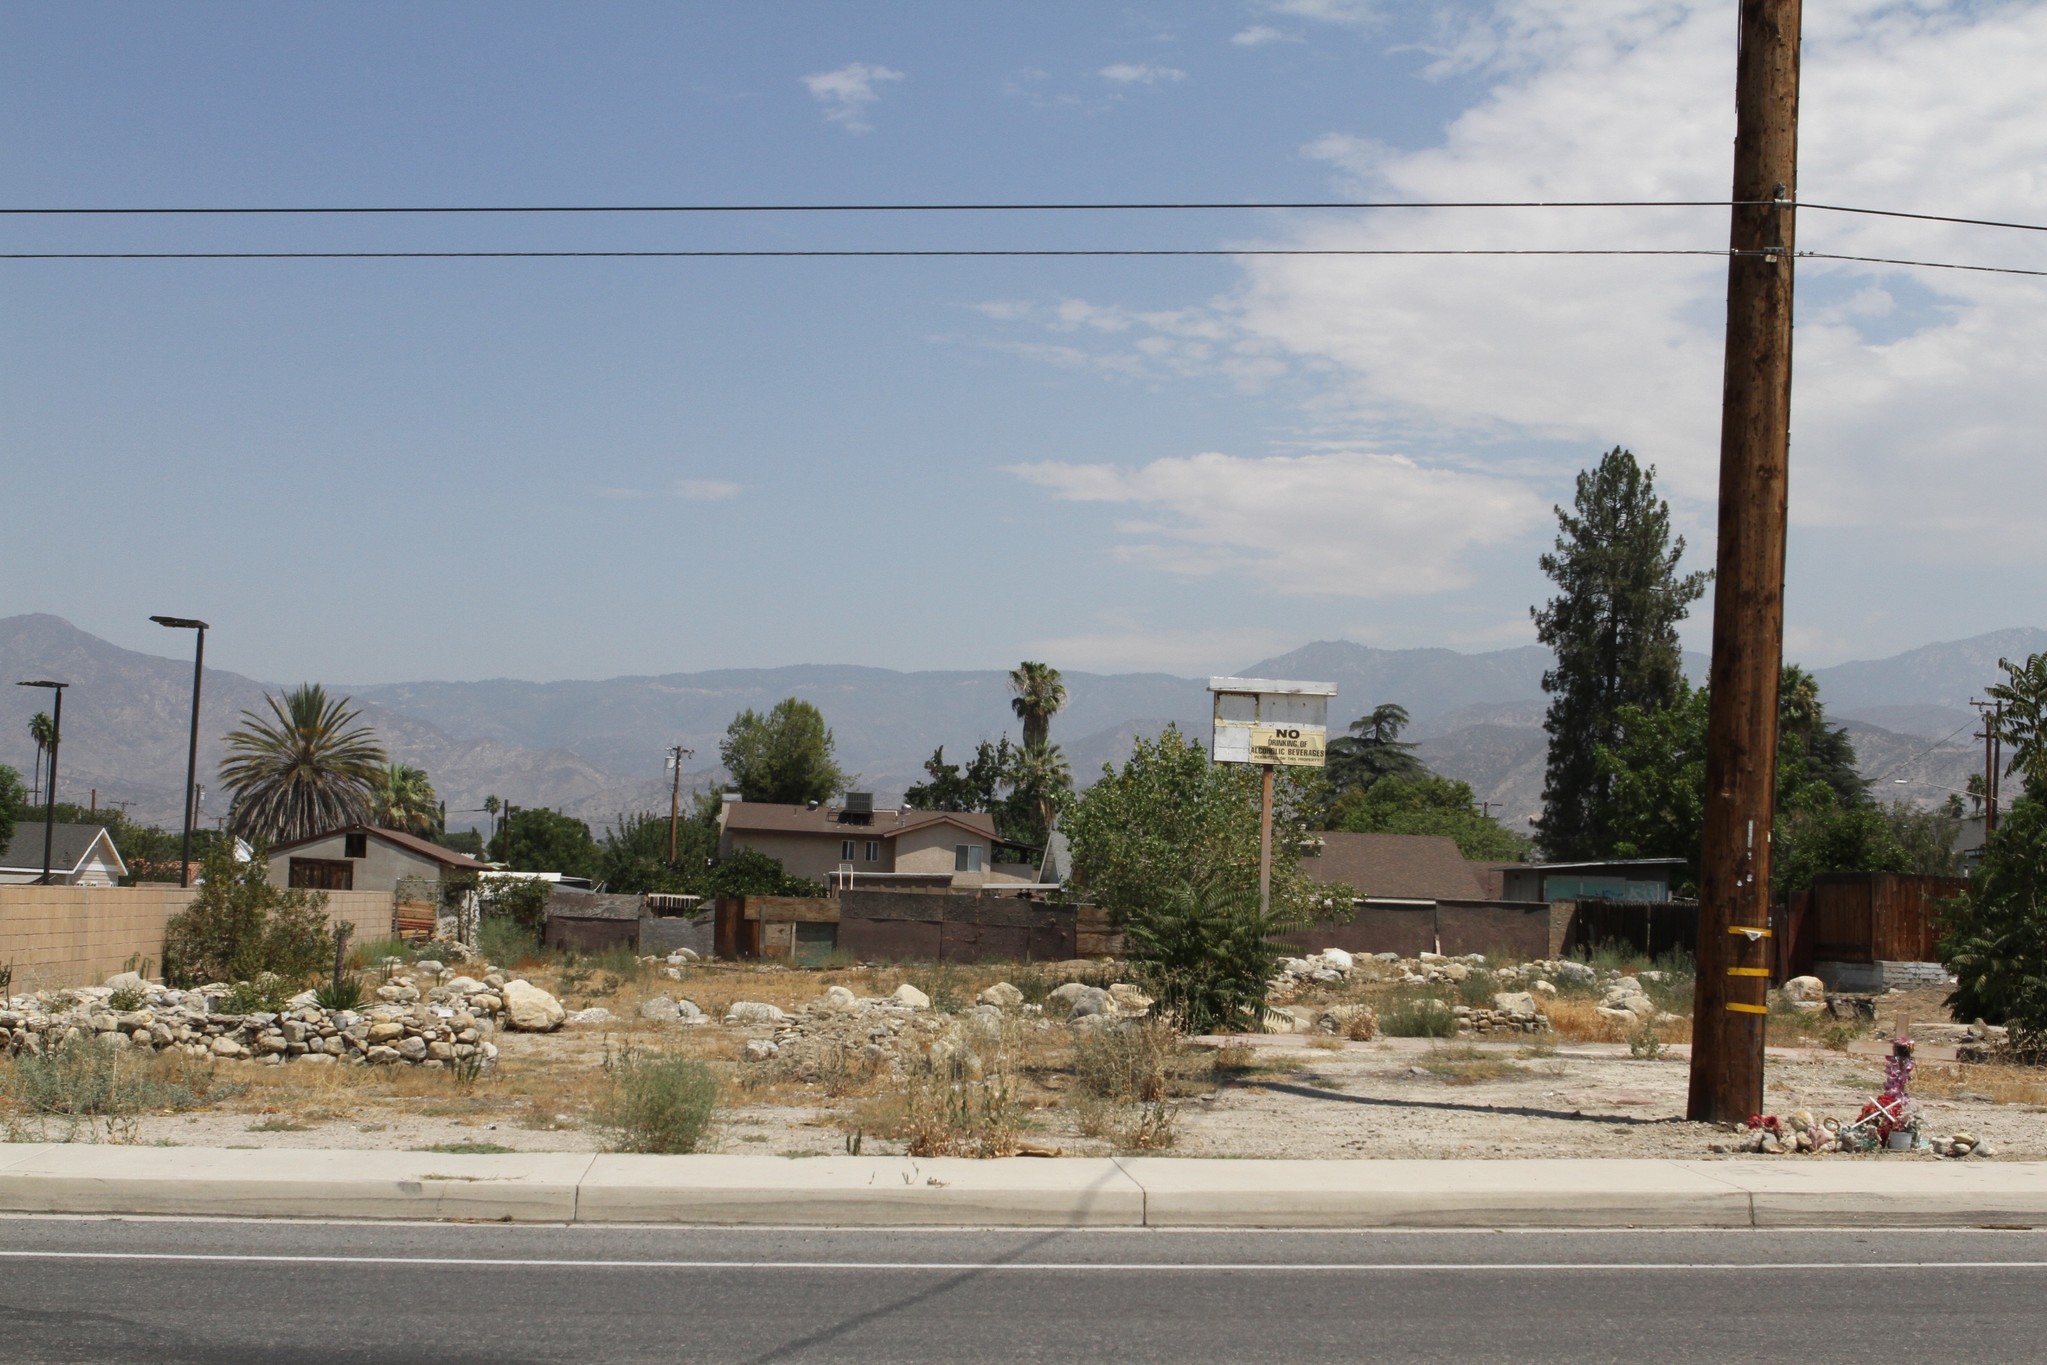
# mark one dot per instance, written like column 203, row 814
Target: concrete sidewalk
column 954, row 1192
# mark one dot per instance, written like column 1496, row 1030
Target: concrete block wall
column 59, row 936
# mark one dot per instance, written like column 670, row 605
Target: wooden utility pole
column 1730, row 1005
column 676, row 753
column 1992, row 713
column 1265, row 842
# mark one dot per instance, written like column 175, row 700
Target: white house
column 80, row 855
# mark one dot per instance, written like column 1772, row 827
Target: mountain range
column 595, row 748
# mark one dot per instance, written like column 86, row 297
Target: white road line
column 1121, row 1267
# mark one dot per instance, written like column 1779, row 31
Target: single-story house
column 366, row 858
column 1639, row 880
column 80, row 855
column 858, row 844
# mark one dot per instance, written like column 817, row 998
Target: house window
column 874, row 850
column 846, row 850
column 355, row 845
column 966, row 857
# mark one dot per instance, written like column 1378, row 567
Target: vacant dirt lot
column 1549, row 1095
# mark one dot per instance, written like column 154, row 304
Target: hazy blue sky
column 365, row 471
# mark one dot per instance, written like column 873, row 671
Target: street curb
column 1126, row 1192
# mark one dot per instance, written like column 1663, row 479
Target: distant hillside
column 594, row 748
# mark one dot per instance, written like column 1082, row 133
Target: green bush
column 1206, row 956
column 239, row 926
column 265, row 993
column 126, row 999
column 1996, row 933
column 504, row 941
column 341, row 993
column 95, row 1078
column 520, row 900
column 1478, row 988
column 655, row 1103
column 1417, row 1016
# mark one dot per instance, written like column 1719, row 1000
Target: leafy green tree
column 1810, row 750
column 1171, row 819
column 1613, row 629
column 749, row 872
column 460, row 841
column 306, row 769
column 1427, row 805
column 1996, row 933
column 1039, row 695
column 2022, row 722
column 12, row 800
column 635, row 851
column 784, row 757
column 403, row 798
column 1372, row 750
column 535, row 839
column 976, row 786
column 240, row 925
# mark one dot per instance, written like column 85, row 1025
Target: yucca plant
column 306, row 769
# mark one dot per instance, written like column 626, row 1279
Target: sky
column 365, row 471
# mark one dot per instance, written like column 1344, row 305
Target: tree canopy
column 1996, row 939
column 404, row 799
column 1427, row 804
column 2022, row 719
column 1613, row 629
column 1039, row 695
column 785, row 756
column 12, row 798
column 1024, row 789
column 635, row 850
column 307, row 768
column 1371, row 751
column 535, row 839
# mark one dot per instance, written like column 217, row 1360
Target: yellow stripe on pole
column 1744, row 929
column 1747, row 1009
column 1748, row 971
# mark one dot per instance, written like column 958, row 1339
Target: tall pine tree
column 1613, row 629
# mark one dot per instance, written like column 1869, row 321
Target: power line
column 1924, row 265
column 1135, row 206
column 1075, row 207
column 802, row 254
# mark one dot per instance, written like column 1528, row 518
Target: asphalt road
column 150, row 1292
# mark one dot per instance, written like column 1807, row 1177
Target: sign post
column 1275, row 724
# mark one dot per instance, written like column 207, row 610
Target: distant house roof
column 1425, row 867
column 764, row 817
column 398, row 838
column 1586, row 866
column 69, row 846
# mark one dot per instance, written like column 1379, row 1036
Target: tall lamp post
column 192, row 752
column 56, row 734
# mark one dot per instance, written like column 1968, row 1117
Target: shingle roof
column 764, row 817
column 68, row 846
column 1395, row 866
column 411, row 843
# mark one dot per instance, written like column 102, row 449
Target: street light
column 56, row 733
column 192, row 753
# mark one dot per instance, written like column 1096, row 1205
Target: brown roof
column 411, row 843
column 1426, row 867
column 762, row 817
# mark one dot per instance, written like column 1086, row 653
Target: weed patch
column 655, row 1103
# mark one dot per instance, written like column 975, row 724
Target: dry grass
column 1467, row 1065
column 1579, row 1021
column 2003, row 1083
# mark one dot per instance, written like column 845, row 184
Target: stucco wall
column 810, row 856
column 379, row 869
column 57, row 936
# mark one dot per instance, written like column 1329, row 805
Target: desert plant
column 655, row 1103
column 126, row 999
column 1643, row 1043
column 1132, row 1062
column 1206, row 955
column 1478, row 988
column 342, row 993
column 949, row 1111
column 264, row 993
column 95, row 1078
column 505, row 941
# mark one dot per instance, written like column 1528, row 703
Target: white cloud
column 849, row 92
column 1350, row 13
column 1914, row 392
column 1345, row 524
column 1132, row 648
column 705, row 490
column 1136, row 73
column 1258, row 35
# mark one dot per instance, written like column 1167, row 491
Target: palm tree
column 42, row 730
column 1039, row 695
column 302, row 770
column 1041, row 778
column 405, row 799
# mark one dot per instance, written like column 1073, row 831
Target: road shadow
column 1450, row 1106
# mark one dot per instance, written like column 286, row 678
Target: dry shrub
column 656, row 1103
column 1579, row 1021
column 1131, row 1063
column 1324, row 1043
column 2004, row 1084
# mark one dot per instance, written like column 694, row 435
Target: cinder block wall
column 59, row 936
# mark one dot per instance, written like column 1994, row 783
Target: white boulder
column 529, row 1009
column 1002, row 996
column 910, row 996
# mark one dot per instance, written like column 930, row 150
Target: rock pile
column 427, row 1018
column 1511, row 1011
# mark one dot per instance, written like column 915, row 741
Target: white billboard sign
column 1270, row 721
